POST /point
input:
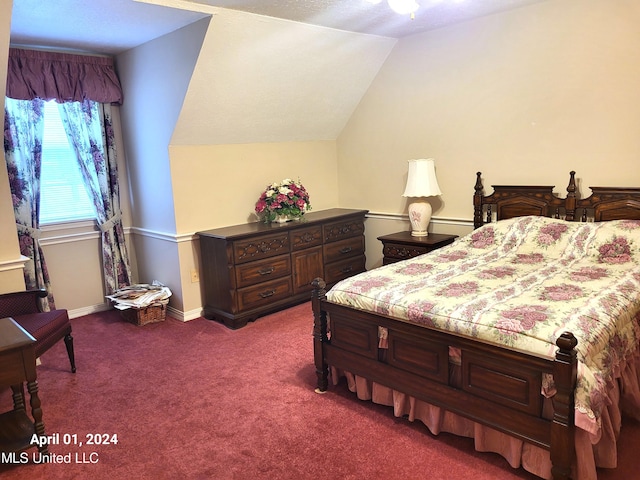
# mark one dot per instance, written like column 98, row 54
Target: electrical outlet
column 195, row 277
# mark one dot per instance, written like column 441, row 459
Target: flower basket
column 283, row 202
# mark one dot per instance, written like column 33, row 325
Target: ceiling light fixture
column 402, row 7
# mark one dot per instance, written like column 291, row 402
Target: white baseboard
column 184, row 316
column 81, row 312
column 172, row 312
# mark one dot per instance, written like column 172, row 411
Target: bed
column 523, row 334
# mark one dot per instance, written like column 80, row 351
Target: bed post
column 477, row 202
column 563, row 449
column 319, row 334
column 570, row 201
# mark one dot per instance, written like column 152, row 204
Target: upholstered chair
column 46, row 327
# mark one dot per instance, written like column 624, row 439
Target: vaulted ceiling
column 112, row 26
column 267, row 71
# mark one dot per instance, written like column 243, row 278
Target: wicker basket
column 151, row 314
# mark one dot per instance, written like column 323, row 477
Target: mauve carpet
column 196, row 400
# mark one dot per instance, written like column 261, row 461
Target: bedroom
column 521, row 95
column 547, row 87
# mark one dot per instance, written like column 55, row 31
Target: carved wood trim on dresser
column 253, row 269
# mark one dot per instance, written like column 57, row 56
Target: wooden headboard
column 508, row 201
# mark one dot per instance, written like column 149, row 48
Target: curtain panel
column 61, row 76
column 90, row 131
column 23, row 132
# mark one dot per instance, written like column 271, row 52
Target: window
column 63, row 196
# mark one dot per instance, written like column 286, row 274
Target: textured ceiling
column 112, row 26
column 364, row 17
column 100, row 26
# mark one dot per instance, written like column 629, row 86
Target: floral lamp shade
column 421, row 182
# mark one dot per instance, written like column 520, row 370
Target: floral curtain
column 23, row 132
column 90, row 132
column 85, row 87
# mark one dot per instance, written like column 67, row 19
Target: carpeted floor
column 196, row 400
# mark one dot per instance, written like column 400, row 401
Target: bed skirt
column 591, row 451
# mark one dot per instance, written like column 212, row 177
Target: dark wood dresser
column 253, row 269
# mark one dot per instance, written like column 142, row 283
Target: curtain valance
column 61, row 76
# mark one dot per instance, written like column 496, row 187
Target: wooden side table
column 18, row 365
column 401, row 245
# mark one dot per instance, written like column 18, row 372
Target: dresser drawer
column 401, row 252
column 349, row 247
column 343, row 269
column 336, row 231
column 262, row 247
column 264, row 293
column 306, row 237
column 263, row 270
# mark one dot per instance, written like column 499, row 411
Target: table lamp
column 421, row 182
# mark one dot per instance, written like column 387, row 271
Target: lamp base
column 419, row 217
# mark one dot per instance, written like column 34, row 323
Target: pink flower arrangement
column 287, row 198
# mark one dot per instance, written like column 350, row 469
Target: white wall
column 155, row 78
column 264, row 101
column 524, row 96
column 11, row 262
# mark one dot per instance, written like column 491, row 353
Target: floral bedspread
column 522, row 283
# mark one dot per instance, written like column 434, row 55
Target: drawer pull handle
column 268, row 293
column 266, row 271
column 346, row 250
column 348, row 269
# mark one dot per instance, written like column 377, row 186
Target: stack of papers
column 140, row 296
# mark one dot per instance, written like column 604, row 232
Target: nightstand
column 401, row 245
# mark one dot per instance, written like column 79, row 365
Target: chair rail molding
column 13, row 264
column 164, row 236
column 462, row 222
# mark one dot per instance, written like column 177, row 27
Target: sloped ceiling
column 262, row 79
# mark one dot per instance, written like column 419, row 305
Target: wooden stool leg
column 68, row 341
column 18, row 397
column 36, row 411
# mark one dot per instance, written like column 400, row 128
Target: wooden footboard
column 499, row 388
